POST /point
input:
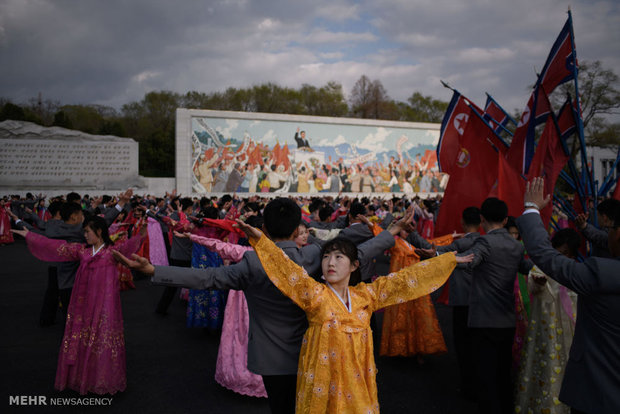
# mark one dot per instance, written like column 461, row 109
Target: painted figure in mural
column 302, row 142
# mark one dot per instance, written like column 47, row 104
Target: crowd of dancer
column 292, row 285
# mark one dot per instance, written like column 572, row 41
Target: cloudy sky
column 113, row 52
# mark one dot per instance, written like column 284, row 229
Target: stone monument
column 37, row 158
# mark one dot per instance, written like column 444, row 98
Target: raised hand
column 534, row 193
column 139, row 264
column 363, row 219
column 251, row 232
column 581, row 221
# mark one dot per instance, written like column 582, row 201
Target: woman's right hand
column 22, row 232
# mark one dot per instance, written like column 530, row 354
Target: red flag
column 510, row 187
column 616, row 193
column 452, row 128
column 522, row 146
column 561, row 62
column 472, row 177
column 548, row 162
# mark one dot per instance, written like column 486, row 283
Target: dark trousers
column 492, row 351
column 50, row 299
column 170, row 291
column 462, row 346
column 281, row 391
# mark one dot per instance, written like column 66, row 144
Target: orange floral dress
column 337, row 372
column 410, row 328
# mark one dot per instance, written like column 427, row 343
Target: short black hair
column 225, row 198
column 282, row 217
column 608, row 206
column 73, row 197
column 325, row 212
column 471, row 216
column 54, row 207
column 68, row 209
column 568, row 237
column 186, row 202
column 510, row 222
column 612, row 211
column 209, row 212
column 494, row 210
column 105, row 199
column 357, row 208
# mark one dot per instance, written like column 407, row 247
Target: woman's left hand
column 251, row 232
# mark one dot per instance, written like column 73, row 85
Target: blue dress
column 205, row 308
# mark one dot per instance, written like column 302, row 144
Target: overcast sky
column 112, row 52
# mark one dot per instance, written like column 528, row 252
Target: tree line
column 151, row 121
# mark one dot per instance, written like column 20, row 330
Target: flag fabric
column 561, row 62
column 473, row 174
column 548, row 161
column 616, row 193
column 524, row 139
column 452, row 129
column 567, row 122
column 509, row 187
column 497, row 117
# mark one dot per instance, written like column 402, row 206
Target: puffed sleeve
column 412, row 281
column 52, row 250
column 290, row 278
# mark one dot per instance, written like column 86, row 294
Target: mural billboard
column 221, row 151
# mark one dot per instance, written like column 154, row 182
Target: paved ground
column 170, row 368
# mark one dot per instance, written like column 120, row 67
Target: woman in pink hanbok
column 232, row 357
column 6, row 237
column 92, row 353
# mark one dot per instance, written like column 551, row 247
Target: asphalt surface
column 170, row 368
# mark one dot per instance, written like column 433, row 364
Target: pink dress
column 92, row 353
column 6, row 236
column 232, row 357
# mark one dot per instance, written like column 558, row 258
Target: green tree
column 61, row 119
column 600, row 101
column 425, row 108
column 12, row 112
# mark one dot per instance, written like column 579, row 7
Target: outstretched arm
column 51, row 250
column 228, row 251
column 412, row 281
column 290, row 278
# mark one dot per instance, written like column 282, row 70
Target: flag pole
column 589, row 178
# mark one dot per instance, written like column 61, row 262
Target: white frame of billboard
column 184, row 133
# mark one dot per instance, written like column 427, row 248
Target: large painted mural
column 250, row 152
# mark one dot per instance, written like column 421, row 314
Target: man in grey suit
column 491, row 319
column 592, row 379
column 459, row 286
column 597, row 236
column 277, row 325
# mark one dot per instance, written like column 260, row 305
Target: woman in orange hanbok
column 410, row 328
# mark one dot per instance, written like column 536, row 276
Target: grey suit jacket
column 498, row 258
column 277, row 324
column 598, row 238
column 181, row 247
column 592, row 378
column 58, row 229
column 460, row 280
column 418, row 241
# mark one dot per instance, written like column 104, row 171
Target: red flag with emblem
column 472, row 177
column 452, row 128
